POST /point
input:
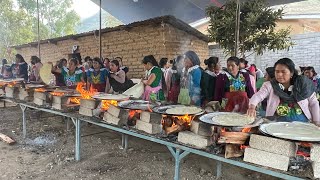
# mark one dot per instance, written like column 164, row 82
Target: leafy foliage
column 20, row 24
column 257, row 27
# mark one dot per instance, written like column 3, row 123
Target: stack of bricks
column 115, row 115
column 41, row 98
column 12, row 92
column 59, row 102
column 26, row 94
column 199, row 135
column 315, row 158
column 87, row 106
column 270, row 152
column 149, row 122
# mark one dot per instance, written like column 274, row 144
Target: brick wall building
column 162, row 37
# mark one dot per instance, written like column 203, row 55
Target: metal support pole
column 24, row 121
column 38, row 13
column 237, row 29
column 124, row 141
column 78, row 139
column 100, row 50
column 219, row 168
column 67, row 122
column 178, row 155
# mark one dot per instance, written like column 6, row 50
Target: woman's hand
column 251, row 112
column 144, row 82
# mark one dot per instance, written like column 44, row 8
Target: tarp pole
column 38, row 13
column 237, row 29
column 100, row 48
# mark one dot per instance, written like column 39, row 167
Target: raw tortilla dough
column 184, row 110
column 294, row 130
column 135, row 91
column 232, row 119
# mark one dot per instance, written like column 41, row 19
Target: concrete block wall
column 305, row 52
column 160, row 39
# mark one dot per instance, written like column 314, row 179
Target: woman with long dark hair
column 35, row 69
column 291, row 97
column 97, row 77
column 71, row 74
column 118, row 79
column 155, row 82
column 313, row 76
column 172, row 79
column 21, row 67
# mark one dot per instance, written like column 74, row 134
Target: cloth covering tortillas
column 184, row 110
column 231, row 119
column 294, row 131
column 45, row 73
column 135, row 91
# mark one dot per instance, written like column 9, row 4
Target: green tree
column 16, row 27
column 257, row 27
column 56, row 17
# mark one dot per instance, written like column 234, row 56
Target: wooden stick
column 6, row 139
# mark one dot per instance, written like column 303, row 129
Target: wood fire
column 105, row 104
column 40, row 90
column 84, row 93
column 174, row 124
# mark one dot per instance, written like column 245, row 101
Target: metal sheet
column 105, row 96
column 163, row 109
column 136, row 105
column 290, row 130
column 207, row 118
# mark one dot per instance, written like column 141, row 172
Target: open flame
column 40, row 90
column 106, row 103
column 57, row 93
column 243, row 146
column 186, row 118
column 12, row 84
column 84, row 93
column 246, row 130
column 75, row 100
column 134, row 113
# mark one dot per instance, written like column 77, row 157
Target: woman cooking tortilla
column 290, row 97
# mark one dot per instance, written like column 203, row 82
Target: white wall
column 305, row 52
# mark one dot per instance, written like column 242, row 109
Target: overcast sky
column 85, row 8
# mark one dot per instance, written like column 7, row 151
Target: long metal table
column 178, row 151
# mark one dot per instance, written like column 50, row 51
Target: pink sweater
column 310, row 106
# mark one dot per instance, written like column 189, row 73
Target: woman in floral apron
column 291, row 97
column 154, row 82
column 71, row 74
column 234, row 87
column 97, row 77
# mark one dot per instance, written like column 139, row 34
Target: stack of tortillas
column 231, row 119
column 45, row 73
column 183, row 110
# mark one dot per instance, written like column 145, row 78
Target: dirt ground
column 48, row 153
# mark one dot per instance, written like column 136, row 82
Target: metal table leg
column 67, row 122
column 178, row 155
column 218, row 170
column 124, row 139
column 78, row 138
column 24, row 121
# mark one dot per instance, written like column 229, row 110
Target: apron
column 237, row 102
column 150, row 93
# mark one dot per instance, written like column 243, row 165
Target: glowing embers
column 173, row 124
